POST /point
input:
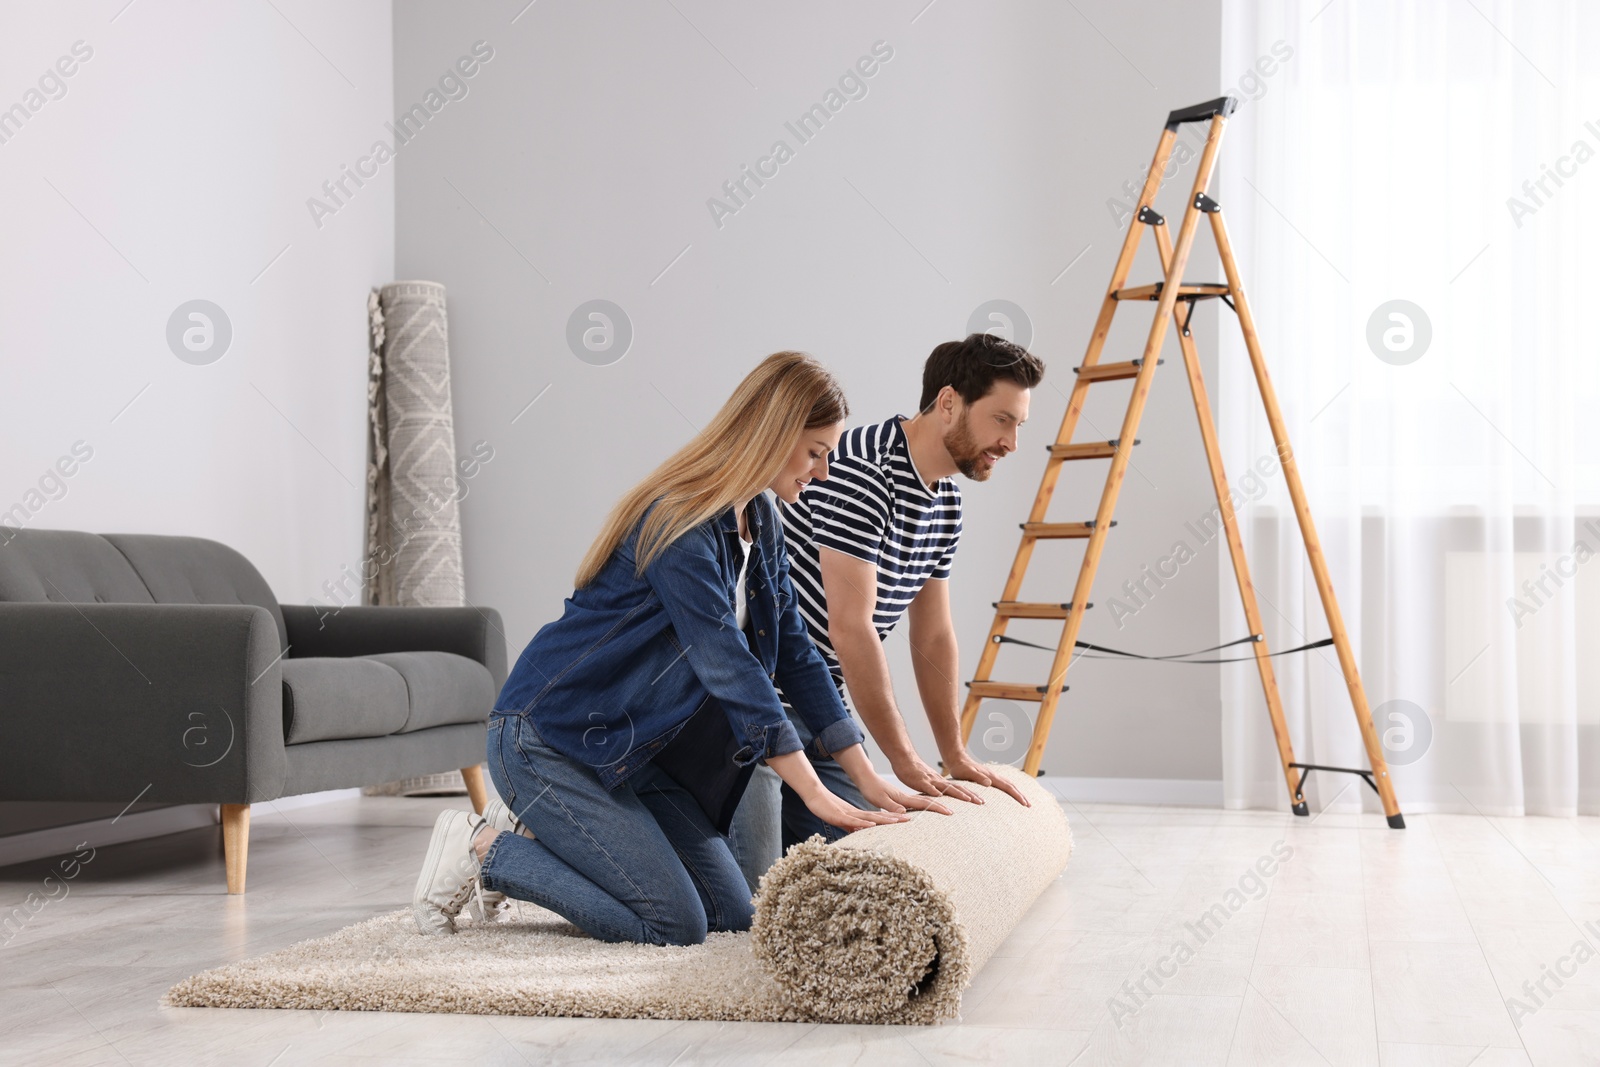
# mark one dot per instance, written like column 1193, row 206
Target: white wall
column 176, row 167
column 978, row 165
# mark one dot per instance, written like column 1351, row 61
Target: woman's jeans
column 640, row 862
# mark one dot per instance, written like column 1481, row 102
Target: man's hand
column 933, row 644
column 967, row 769
column 924, row 779
column 882, row 793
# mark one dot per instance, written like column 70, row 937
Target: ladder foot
column 1302, row 808
column 1397, row 821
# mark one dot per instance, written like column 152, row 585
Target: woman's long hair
column 736, row 456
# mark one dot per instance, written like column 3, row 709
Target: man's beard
column 965, row 450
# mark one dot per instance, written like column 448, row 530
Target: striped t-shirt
column 876, row 507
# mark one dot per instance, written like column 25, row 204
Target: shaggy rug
column 887, row 926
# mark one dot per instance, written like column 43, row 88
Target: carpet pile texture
column 887, row 926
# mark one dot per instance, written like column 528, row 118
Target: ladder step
column 1009, row 690
column 1093, row 450
column 1203, row 290
column 1051, row 530
column 1017, row 609
column 1110, row 372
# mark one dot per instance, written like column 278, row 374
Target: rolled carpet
column 886, row 926
column 889, row 924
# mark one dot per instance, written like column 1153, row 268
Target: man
column 873, row 540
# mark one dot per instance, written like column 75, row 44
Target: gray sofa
column 137, row 666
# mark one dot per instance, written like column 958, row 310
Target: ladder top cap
column 1222, row 105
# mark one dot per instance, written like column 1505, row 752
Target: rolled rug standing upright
column 413, row 554
column 413, row 516
column 889, row 924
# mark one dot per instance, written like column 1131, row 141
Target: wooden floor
column 1363, row 946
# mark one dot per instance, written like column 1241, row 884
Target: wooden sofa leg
column 235, row 843
column 473, row 776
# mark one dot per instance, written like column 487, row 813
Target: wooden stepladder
column 1168, row 295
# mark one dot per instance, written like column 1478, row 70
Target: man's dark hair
column 971, row 368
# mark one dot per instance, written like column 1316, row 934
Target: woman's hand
column 836, row 812
column 797, row 773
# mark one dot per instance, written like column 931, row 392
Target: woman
column 628, row 728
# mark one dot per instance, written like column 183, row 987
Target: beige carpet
column 889, row 925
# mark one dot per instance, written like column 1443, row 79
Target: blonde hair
column 736, row 456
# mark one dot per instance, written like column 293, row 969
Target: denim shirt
column 632, row 658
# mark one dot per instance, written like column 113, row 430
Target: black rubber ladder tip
column 1396, row 821
column 1302, row 808
column 1222, row 105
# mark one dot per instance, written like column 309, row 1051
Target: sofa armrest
column 476, row 633
column 169, row 702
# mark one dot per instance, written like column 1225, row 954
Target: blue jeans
column 771, row 817
column 640, row 862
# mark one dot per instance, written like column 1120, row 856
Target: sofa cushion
column 193, row 570
column 339, row 698
column 445, row 688
column 66, row 566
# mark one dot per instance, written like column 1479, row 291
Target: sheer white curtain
column 1443, row 154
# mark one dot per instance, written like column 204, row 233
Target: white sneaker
column 449, row 873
